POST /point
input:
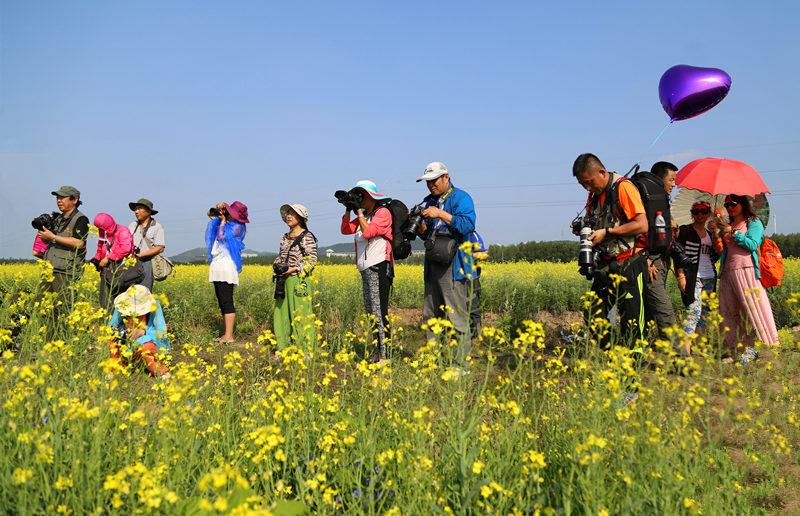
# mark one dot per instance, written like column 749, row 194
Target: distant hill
column 199, row 254
column 348, row 247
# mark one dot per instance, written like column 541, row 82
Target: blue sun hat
column 371, row 189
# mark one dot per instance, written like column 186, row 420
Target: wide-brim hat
column 137, row 300
column 301, row 211
column 433, row 170
column 238, row 212
column 144, row 202
column 371, row 189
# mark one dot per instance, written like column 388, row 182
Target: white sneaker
column 458, row 372
column 164, row 377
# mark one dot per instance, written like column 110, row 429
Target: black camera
column 44, row 221
column 588, row 256
column 96, row 263
column 414, row 220
column 216, row 212
column 678, row 255
column 352, row 199
column 121, row 334
column 279, row 278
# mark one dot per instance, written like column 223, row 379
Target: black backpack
column 401, row 245
column 655, row 199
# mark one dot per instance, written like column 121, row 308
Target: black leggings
column 224, row 292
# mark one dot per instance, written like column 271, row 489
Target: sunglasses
column 698, row 211
column 731, row 204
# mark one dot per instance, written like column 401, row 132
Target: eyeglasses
column 731, row 204
column 698, row 211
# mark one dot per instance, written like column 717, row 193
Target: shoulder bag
column 162, row 266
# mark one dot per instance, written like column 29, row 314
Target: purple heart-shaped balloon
column 686, row 91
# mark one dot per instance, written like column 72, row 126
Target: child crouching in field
column 139, row 322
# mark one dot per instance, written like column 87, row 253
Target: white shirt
column 222, row 267
column 705, row 269
column 155, row 233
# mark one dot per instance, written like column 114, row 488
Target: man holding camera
column 66, row 241
column 148, row 237
column 618, row 216
column 449, row 219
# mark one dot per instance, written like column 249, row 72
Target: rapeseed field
column 542, row 425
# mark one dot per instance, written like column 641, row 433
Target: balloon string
column 654, row 142
column 659, row 136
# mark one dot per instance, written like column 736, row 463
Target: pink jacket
column 380, row 225
column 119, row 237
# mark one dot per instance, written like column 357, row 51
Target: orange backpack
column 770, row 263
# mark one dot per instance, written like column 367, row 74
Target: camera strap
column 444, row 196
column 144, row 233
column 296, row 243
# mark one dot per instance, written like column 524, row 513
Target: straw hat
column 137, row 300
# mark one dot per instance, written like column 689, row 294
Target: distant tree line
column 788, row 244
column 549, row 251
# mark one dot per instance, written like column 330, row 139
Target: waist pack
column 440, row 249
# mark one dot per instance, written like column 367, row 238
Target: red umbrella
column 721, row 176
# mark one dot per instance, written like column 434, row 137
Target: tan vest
column 607, row 218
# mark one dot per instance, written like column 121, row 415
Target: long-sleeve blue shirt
column 156, row 330
column 458, row 204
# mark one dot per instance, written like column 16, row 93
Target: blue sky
column 193, row 103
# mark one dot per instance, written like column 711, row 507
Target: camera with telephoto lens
column 414, row 220
column 280, row 268
column 216, row 212
column 44, row 221
column 588, row 256
column 351, row 199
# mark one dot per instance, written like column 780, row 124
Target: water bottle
column 661, row 227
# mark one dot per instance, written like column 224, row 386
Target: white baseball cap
column 434, row 170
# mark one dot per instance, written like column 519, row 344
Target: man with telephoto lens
column 616, row 206
column 66, row 243
column 449, row 220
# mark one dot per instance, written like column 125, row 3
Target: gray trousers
column 657, row 306
column 442, row 289
column 147, row 281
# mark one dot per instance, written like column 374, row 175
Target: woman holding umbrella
column 743, row 301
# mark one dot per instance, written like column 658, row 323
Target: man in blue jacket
column 449, row 220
